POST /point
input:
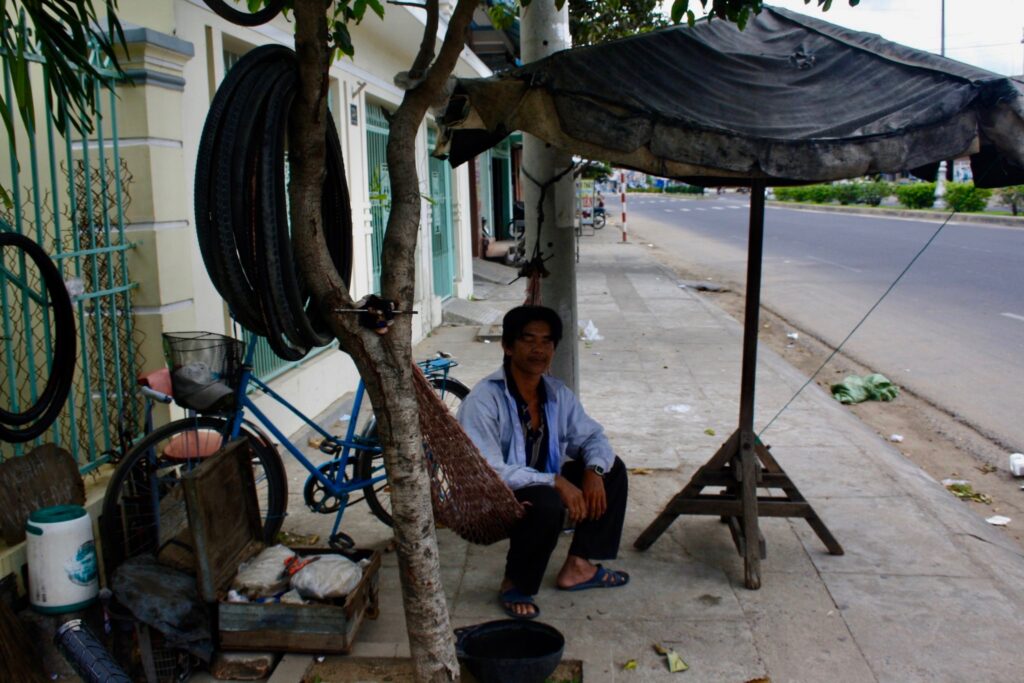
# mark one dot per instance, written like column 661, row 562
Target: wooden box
column 224, row 518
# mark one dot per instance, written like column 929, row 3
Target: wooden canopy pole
column 743, row 464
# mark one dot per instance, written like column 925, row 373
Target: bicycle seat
column 157, row 380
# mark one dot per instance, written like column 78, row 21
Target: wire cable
column 861, row 322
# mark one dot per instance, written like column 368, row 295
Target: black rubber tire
column 289, row 294
column 217, row 241
column 222, row 9
column 241, row 204
column 25, row 425
column 127, row 534
column 238, row 165
column 599, row 221
column 370, row 464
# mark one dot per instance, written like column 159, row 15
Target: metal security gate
column 69, row 194
column 380, row 182
column 441, row 223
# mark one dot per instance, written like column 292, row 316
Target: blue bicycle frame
column 342, row 449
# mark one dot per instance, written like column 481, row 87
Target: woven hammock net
column 467, row 494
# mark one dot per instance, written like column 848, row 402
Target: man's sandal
column 513, row 597
column 602, row 578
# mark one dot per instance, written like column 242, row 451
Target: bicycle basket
column 204, row 368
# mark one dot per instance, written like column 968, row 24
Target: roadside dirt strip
column 933, row 439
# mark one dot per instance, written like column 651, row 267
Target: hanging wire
column 861, row 322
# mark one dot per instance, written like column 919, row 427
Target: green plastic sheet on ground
column 873, row 387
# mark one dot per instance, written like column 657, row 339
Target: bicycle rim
column 144, row 507
column 378, row 496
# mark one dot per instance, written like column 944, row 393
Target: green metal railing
column 70, row 194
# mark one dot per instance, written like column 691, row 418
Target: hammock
column 467, row 494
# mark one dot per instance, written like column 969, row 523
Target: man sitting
column 534, row 432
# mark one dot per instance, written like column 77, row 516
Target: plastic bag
column 330, row 576
column 855, row 389
column 265, row 574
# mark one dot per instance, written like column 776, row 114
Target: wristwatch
column 597, row 469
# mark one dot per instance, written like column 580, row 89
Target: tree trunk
column 384, row 361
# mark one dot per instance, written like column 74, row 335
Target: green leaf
column 343, row 40
column 559, row 4
column 680, row 7
column 359, row 9
column 691, row 19
column 377, row 7
column 5, row 198
column 741, row 20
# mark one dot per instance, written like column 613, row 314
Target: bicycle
column 143, row 511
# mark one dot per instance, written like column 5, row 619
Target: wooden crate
column 224, row 519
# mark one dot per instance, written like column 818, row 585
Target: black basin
column 510, row 650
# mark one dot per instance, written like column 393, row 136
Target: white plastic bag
column 330, row 576
column 264, row 575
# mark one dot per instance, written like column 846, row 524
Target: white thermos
column 62, row 571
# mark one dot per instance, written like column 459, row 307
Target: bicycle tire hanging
column 242, row 210
column 235, row 16
column 17, row 425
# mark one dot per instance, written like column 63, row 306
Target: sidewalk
column 925, row 592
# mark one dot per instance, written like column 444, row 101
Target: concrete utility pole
column 545, row 30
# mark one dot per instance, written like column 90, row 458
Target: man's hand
column 572, row 497
column 593, row 494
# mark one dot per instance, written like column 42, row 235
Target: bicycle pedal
column 341, row 541
column 331, row 448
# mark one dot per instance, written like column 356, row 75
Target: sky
column 984, row 33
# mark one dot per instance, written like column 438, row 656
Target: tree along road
column 952, row 330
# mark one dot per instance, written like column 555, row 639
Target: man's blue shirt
column 491, row 419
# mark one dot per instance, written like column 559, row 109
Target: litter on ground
column 588, row 331
column 874, row 387
column 965, row 491
column 998, row 520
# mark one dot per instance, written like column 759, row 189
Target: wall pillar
column 158, row 218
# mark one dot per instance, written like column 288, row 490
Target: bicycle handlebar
column 155, row 395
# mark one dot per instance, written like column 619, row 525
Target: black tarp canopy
column 789, row 99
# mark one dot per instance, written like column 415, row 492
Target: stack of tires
column 242, row 209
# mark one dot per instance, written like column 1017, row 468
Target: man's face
column 532, row 351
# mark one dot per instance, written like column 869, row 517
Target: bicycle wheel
column 370, row 464
column 599, row 221
column 144, row 508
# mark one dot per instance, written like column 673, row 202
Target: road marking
column 668, row 210
column 701, row 208
column 717, row 208
column 685, row 209
column 1014, row 316
column 837, row 265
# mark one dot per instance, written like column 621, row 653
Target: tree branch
column 451, row 48
column 397, row 3
column 426, row 52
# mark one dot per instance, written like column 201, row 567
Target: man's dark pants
column 534, row 537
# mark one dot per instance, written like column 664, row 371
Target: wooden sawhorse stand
column 743, row 464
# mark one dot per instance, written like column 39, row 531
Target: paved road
column 952, row 329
